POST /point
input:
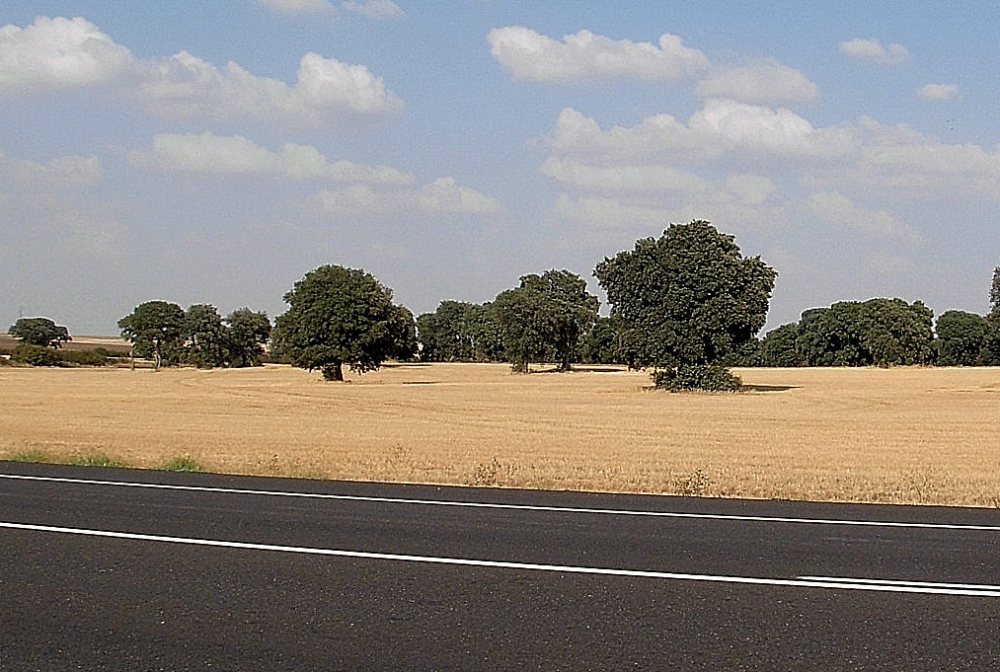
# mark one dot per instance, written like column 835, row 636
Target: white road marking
column 515, row 507
column 976, row 590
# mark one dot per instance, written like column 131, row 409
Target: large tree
column 155, row 329
column 205, row 336
column 248, row 332
column 338, row 316
column 40, row 331
column 545, row 317
column 961, row 337
column 684, row 301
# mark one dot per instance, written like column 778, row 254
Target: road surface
column 104, row 569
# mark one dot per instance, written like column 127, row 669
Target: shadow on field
column 769, row 388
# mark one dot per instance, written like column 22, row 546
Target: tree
column 338, row 316
column 778, row 347
column 961, row 337
column 684, row 301
column 445, row 335
column 205, row 335
column 155, row 329
column 404, row 335
column 991, row 347
column 545, row 317
column 600, row 345
column 248, row 332
column 40, row 331
column 883, row 332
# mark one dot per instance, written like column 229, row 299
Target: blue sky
column 215, row 152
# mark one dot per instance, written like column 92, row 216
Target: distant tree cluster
column 168, row 335
column 687, row 305
column 885, row 332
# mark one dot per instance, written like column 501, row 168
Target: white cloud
column 375, row 9
column 609, row 214
column 298, row 6
column 58, row 53
column 61, row 53
column 872, row 51
column 66, row 172
column 235, row 154
column 765, row 81
column 939, row 92
column 618, row 177
column 443, row 196
column 585, row 56
column 185, row 87
column 721, row 127
column 838, row 209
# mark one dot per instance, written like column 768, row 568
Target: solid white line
column 515, row 507
column 800, row 582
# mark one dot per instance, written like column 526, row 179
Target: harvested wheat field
column 910, row 435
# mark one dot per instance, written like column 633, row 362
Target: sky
column 215, row 152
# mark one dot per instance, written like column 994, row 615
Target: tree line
column 687, row 305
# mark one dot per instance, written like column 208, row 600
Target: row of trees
column 686, row 305
column 167, row 334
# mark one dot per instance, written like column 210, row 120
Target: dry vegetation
column 881, row 435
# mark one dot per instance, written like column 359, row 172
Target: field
column 910, row 435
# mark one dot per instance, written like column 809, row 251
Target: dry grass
column 878, row 435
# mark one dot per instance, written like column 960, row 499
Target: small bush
column 707, row 377
column 36, row 355
column 96, row 461
column 30, row 456
column 184, row 463
column 83, row 357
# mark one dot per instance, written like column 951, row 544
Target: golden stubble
column 915, row 435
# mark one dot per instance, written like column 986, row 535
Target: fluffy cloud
column 443, row 196
column 585, row 56
column 721, row 127
column 872, row 51
column 939, row 92
column 60, row 173
column 235, row 154
column 838, row 209
column 60, row 53
column 186, row 87
column 765, row 81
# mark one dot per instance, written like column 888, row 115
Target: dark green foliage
column 93, row 357
column 404, row 334
column 155, row 329
column 961, row 337
column 686, row 298
column 36, row 355
column 991, row 345
column 449, row 333
column 544, row 317
column 600, row 346
column 708, row 377
column 338, row 316
column 778, row 347
column 205, row 336
column 247, row 334
column 747, row 354
column 40, row 331
column 880, row 332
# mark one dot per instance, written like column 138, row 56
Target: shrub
column 83, row 357
column 709, row 377
column 182, row 464
column 36, row 355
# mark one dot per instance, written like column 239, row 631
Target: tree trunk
column 334, row 372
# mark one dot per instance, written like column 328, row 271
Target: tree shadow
column 769, row 388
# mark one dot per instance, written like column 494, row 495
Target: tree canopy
column 340, row 316
column 686, row 299
column 156, row 330
column 40, row 331
column 248, row 332
column 545, row 317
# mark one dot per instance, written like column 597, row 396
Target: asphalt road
column 106, row 569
